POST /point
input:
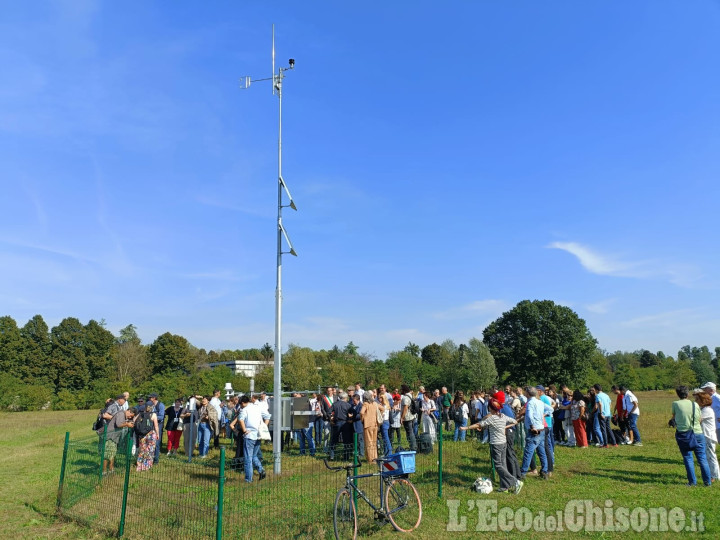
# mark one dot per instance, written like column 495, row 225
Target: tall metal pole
column 277, row 386
column 277, row 79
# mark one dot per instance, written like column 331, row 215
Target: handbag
column 264, row 432
column 379, row 416
column 686, row 439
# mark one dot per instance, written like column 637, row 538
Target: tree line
column 77, row 366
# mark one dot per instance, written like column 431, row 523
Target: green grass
column 298, row 504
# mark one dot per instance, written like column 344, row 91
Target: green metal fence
column 209, row 498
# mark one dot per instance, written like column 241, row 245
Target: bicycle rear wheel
column 402, row 505
column 344, row 516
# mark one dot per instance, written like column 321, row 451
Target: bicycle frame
column 396, row 491
column 350, row 484
column 383, row 483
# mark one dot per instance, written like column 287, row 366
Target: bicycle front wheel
column 344, row 516
column 402, row 505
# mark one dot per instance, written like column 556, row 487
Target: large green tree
column 648, row 359
column 478, row 366
column 97, row 346
column 129, row 357
column 170, row 352
column 404, row 367
column 435, row 354
column 11, row 347
column 700, row 360
column 68, row 363
column 540, row 341
column 37, row 347
column 298, row 369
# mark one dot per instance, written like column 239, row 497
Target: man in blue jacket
column 159, row 410
column 357, row 423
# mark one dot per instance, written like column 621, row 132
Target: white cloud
column 682, row 275
column 601, row 307
column 600, row 264
column 474, row 309
column 666, row 319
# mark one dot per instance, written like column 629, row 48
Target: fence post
column 126, row 483
column 102, row 452
column 62, row 469
column 193, row 437
column 440, row 458
column 221, row 493
column 355, row 463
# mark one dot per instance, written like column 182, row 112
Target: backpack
column 100, row 421
column 143, row 423
column 457, row 414
column 414, row 407
column 424, row 444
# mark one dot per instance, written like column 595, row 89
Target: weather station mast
column 277, row 82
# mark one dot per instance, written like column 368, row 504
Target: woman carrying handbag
column 689, row 436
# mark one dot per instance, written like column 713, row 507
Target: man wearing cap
column 535, row 410
column 710, row 388
column 159, row 410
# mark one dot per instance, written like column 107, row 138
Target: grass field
column 650, row 476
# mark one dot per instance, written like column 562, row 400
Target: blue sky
column 447, row 159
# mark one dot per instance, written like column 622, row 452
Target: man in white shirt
column 249, row 420
column 217, row 405
column 711, row 389
column 632, row 411
column 262, row 403
column 359, row 392
column 127, row 398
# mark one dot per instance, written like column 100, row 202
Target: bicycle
column 399, row 500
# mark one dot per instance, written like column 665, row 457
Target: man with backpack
column 115, row 433
column 114, row 407
column 408, row 415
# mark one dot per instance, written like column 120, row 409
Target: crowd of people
column 379, row 419
column 197, row 419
